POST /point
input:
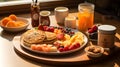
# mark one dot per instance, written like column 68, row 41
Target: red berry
column 61, row 49
column 95, row 28
column 45, row 28
column 40, row 27
column 72, row 32
column 72, row 47
column 66, row 48
column 51, row 29
column 60, row 36
column 77, row 45
column 90, row 30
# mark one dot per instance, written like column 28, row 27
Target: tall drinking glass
column 85, row 16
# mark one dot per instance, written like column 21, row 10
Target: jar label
column 106, row 40
column 45, row 22
column 35, row 16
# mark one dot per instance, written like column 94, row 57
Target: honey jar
column 106, row 36
column 44, row 18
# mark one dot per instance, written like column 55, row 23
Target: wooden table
column 8, row 57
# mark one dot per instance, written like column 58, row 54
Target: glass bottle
column 44, row 18
column 35, row 9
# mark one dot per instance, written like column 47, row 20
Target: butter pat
column 70, row 22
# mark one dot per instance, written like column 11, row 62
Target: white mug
column 70, row 22
column 60, row 14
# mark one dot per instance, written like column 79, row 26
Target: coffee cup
column 60, row 14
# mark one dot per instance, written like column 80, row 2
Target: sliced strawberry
column 40, row 27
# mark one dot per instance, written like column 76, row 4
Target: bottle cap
column 107, row 29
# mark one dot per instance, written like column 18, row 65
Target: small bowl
column 16, row 29
column 90, row 50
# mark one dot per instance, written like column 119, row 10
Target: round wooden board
column 75, row 58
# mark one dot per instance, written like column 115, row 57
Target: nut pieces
column 94, row 51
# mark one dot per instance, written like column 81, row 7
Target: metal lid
column 45, row 13
column 107, row 29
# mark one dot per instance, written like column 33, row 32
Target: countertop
column 9, row 58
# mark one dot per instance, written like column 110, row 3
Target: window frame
column 24, row 7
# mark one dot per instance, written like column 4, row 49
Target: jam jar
column 35, row 9
column 106, row 36
column 44, row 18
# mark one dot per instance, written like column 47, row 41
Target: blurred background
column 107, row 7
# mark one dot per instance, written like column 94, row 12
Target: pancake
column 34, row 36
column 49, row 41
column 49, row 36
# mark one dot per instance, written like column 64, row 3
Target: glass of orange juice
column 85, row 16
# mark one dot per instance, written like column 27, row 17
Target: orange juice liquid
column 85, row 20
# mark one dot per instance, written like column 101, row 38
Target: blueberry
column 93, row 35
column 68, row 29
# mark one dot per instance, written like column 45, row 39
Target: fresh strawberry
column 60, row 36
column 51, row 29
column 61, row 49
column 45, row 28
column 95, row 28
column 66, row 48
column 77, row 45
column 72, row 32
column 72, row 47
column 90, row 30
column 40, row 27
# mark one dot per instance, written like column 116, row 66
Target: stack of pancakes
column 38, row 37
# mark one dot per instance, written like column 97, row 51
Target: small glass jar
column 35, row 9
column 106, row 36
column 44, row 18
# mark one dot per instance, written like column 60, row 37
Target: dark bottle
column 44, row 18
column 35, row 9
